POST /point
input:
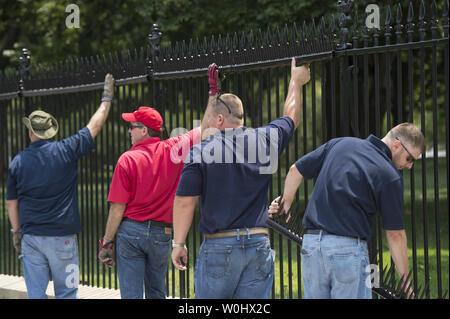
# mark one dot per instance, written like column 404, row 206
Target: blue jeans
column 334, row 267
column 239, row 267
column 142, row 259
column 46, row 257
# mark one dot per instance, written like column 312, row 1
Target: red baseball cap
column 146, row 115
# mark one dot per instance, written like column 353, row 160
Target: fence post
column 155, row 40
column 345, row 70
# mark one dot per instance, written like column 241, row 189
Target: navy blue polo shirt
column 43, row 177
column 355, row 179
column 231, row 172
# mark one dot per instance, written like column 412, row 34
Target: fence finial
column 155, row 40
column 345, row 8
column 24, row 68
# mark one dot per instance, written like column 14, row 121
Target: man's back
column 147, row 175
column 355, row 179
column 232, row 171
column 43, row 177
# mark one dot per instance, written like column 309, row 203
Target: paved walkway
column 13, row 287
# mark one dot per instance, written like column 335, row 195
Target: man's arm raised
column 299, row 77
column 98, row 119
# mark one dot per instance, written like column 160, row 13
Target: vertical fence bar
column 434, row 35
column 387, row 34
column 287, row 164
column 445, row 19
column 421, row 28
column 410, row 33
column 399, row 33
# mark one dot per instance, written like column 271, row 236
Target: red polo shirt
column 146, row 176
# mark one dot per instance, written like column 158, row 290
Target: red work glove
column 107, row 253
column 213, row 79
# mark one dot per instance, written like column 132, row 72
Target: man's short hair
column 227, row 103
column 151, row 132
column 408, row 132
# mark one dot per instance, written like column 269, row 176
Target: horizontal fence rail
column 363, row 81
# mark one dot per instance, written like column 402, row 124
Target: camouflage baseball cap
column 42, row 124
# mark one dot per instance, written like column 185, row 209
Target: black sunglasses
column 240, row 116
column 134, row 126
column 410, row 158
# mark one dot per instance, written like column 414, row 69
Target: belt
column 324, row 232
column 243, row 232
column 317, row 232
column 148, row 222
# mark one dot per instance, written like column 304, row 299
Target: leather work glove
column 17, row 242
column 108, row 88
column 107, row 252
column 213, row 79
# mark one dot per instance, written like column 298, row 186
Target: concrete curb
column 13, row 287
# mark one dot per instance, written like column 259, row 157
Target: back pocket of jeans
column 161, row 246
column 346, row 267
column 65, row 249
column 217, row 263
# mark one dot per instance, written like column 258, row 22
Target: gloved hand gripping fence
column 108, row 89
column 107, row 252
column 17, row 242
column 214, row 80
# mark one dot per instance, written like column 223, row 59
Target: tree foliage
column 105, row 26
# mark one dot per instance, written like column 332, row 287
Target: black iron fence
column 363, row 81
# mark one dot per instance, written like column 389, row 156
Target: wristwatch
column 174, row 244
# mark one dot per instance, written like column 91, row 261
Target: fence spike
column 383, row 274
column 399, row 15
column 387, row 23
column 183, row 49
column 433, row 10
column 424, row 290
column 219, row 44
column 410, row 25
column 313, row 35
column 408, row 287
column 191, row 48
column 322, row 26
column 403, row 284
column 197, row 48
column 205, row 47
column 305, row 31
column 434, row 21
column 251, row 40
column 416, row 295
column 410, row 13
column 294, row 34
column 422, row 10
column 212, row 45
column 227, row 47
column 285, row 37
column 235, row 45
column 268, row 39
column 277, row 37
column 242, row 41
column 355, row 25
